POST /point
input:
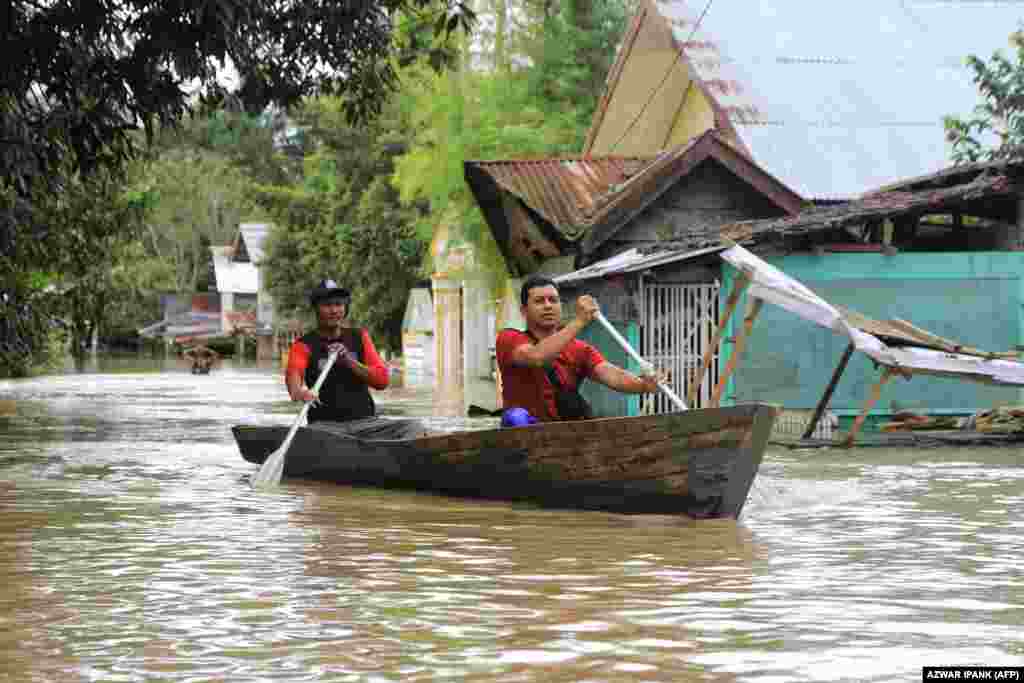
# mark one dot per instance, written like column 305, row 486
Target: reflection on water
column 133, row 548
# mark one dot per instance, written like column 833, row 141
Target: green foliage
column 103, row 67
column 572, row 50
column 25, row 325
column 80, row 79
column 246, row 140
column 540, row 110
column 996, row 129
column 344, row 221
column 62, row 273
column 198, row 199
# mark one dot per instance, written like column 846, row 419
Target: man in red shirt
column 522, row 355
column 345, row 393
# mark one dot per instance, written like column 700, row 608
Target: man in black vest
column 345, row 394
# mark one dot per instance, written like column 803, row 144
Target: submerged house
column 186, row 319
column 246, row 306
column 239, row 307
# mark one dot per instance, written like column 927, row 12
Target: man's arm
column 547, row 349
column 297, row 389
column 539, row 354
column 618, row 379
column 374, row 372
column 294, row 375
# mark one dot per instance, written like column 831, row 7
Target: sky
column 849, row 96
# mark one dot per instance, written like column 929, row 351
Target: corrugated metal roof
column 634, row 260
column 566, row 192
column 575, row 195
column 984, row 192
column 954, row 175
column 838, row 98
column 191, row 323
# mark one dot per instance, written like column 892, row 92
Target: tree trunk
column 581, row 15
column 501, row 62
column 79, row 333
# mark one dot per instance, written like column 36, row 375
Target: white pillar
column 476, row 312
column 227, row 305
column 448, row 337
column 510, row 311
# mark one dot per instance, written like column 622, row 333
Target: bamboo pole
column 742, row 282
column 737, row 350
column 827, row 396
column 876, row 393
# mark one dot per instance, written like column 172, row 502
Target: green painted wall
column 974, row 298
column 606, row 402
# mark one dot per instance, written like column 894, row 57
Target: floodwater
column 134, row 548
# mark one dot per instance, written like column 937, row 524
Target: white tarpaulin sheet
column 772, row 285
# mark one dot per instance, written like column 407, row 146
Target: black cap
column 328, row 289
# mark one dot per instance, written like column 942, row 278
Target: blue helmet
column 517, row 417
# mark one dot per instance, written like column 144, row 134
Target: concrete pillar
column 448, row 336
column 509, row 308
column 227, row 305
column 476, row 314
column 478, row 325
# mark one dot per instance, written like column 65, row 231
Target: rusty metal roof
column 566, row 192
column 578, row 195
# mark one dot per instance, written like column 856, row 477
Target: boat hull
column 701, row 463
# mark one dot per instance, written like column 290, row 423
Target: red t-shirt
column 530, row 388
column 298, row 360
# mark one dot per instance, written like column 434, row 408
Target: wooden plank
column 737, row 350
column 916, row 336
column 742, row 282
column 946, row 344
column 827, row 396
column 876, row 393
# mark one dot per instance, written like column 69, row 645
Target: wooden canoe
column 700, row 462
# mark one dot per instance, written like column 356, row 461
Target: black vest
column 343, row 396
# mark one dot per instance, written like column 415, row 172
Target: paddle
column 273, row 467
column 644, row 365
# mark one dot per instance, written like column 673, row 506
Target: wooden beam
column 737, row 349
column 876, row 393
column 827, row 396
column 742, row 282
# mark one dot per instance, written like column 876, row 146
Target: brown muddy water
column 135, row 549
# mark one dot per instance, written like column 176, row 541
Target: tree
column 199, row 197
column 79, row 74
column 79, row 77
column 96, row 217
column 542, row 108
column 345, row 221
column 996, row 129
